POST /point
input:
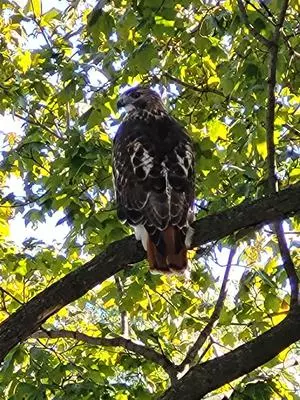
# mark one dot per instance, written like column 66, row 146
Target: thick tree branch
column 204, row 334
column 216, row 226
column 204, row 378
column 120, row 341
column 270, row 118
column 28, row 318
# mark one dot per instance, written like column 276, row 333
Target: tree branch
column 292, row 129
column 38, row 124
column 10, row 295
column 204, row 89
column 251, row 28
column 268, row 16
column 120, row 341
column 213, row 374
column 246, row 215
column 37, row 22
column 123, row 313
column 271, row 101
column 204, row 334
column 272, row 180
column 287, row 263
column 28, row 318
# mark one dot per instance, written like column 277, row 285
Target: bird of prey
column 153, row 169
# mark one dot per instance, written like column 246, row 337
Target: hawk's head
column 140, row 98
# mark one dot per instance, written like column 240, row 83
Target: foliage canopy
column 217, row 65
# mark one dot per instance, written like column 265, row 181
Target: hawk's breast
column 154, row 174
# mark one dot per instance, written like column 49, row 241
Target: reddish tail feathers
column 174, row 259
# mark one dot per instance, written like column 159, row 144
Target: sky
column 47, row 232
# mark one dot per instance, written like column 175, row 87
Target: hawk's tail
column 173, row 258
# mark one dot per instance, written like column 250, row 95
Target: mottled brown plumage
column 153, row 165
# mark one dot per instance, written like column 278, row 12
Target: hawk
column 153, row 169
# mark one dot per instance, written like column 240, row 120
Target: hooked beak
column 125, row 102
column 121, row 102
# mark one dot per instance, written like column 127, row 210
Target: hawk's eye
column 135, row 95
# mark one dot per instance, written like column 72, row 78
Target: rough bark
column 247, row 215
column 29, row 317
column 204, row 378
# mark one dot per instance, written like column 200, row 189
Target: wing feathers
column 153, row 166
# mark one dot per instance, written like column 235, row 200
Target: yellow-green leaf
column 217, row 130
column 36, row 7
column 24, row 60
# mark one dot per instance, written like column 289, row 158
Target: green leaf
column 257, row 391
column 229, row 339
column 49, row 16
column 142, row 58
column 272, row 302
column 226, row 316
column 94, row 119
column 227, row 85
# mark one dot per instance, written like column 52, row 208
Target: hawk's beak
column 125, row 102
column 121, row 102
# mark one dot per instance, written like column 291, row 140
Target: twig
column 272, row 180
column 288, row 263
column 73, row 33
column 124, row 317
column 267, row 17
column 36, row 123
column 292, row 129
column 10, row 295
column 35, row 19
column 288, row 44
column 206, row 13
column 22, row 204
column 209, row 344
column 286, row 232
column 3, row 308
column 273, row 46
column 204, row 89
column 204, row 334
column 264, row 6
column 60, row 356
column 120, row 341
column 251, row 28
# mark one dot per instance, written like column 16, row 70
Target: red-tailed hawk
column 153, row 167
